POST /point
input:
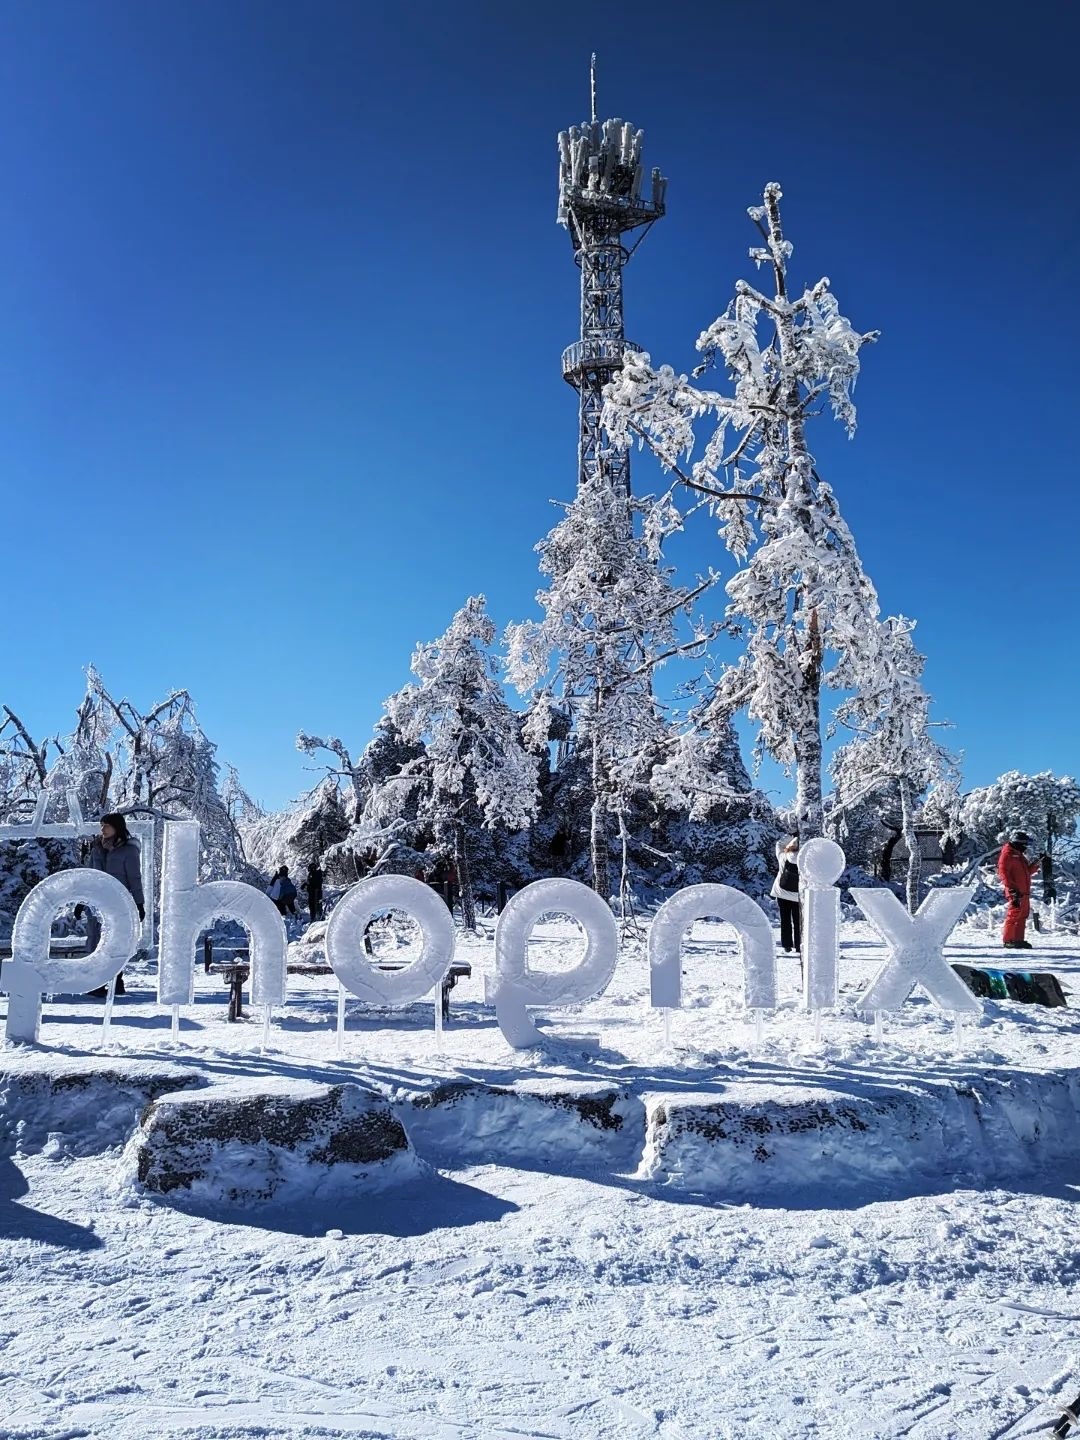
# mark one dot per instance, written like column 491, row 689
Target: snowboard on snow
column 1031, row 987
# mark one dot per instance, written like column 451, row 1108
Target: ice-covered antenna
column 605, row 194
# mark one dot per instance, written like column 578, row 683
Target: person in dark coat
column 315, row 890
column 283, row 892
column 785, row 891
column 115, row 852
column 1015, row 871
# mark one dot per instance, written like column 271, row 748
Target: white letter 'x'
column 915, row 950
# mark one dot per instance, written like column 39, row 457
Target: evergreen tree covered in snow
column 802, row 601
column 474, row 766
column 1046, row 806
column 894, row 748
column 712, row 823
column 611, row 614
column 297, row 836
column 384, row 827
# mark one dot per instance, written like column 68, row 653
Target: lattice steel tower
column 600, row 200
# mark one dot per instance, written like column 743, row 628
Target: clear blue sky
column 282, row 301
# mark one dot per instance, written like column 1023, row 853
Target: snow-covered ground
column 563, row 1300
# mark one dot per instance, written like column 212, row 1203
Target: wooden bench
column 237, row 968
column 59, row 945
column 459, row 970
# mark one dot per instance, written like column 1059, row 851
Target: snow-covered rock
column 563, row 1124
column 80, row 1104
column 771, row 1142
column 251, row 1141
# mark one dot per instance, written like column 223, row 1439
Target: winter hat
column 1019, row 838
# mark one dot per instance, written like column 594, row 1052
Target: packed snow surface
column 563, row 1292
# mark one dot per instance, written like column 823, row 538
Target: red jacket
column 1014, row 871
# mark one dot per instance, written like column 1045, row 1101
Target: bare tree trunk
column 464, row 870
column 911, row 840
column 598, row 837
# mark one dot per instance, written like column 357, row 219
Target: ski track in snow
column 490, row 1303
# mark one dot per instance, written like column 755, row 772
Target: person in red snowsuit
column 1015, row 871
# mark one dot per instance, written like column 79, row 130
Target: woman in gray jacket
column 115, row 852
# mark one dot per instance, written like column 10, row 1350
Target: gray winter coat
column 122, row 862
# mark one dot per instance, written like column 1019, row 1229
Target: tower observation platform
column 603, row 196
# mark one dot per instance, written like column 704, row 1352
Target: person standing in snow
column 115, row 852
column 286, row 893
column 315, row 890
column 283, row 892
column 785, row 891
column 1015, row 871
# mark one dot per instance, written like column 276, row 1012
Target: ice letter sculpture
column 188, row 908
column 700, row 902
column 915, row 950
column 821, row 863
column 345, row 940
column 31, row 972
column 515, row 986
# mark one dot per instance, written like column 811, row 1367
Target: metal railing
column 584, row 353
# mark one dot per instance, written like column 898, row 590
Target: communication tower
column 604, row 195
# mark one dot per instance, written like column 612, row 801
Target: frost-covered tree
column 385, row 829
column 157, row 763
column 702, row 770
column 894, row 749
column 802, row 600
column 864, row 827
column 24, row 765
column 611, row 613
column 24, row 774
column 712, row 822
column 1046, row 806
column 306, row 831
column 474, row 760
